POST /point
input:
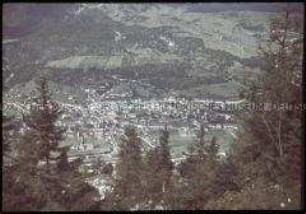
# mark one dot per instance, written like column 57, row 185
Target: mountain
column 179, row 48
column 239, row 6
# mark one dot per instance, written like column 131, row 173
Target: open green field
column 98, row 143
column 180, row 143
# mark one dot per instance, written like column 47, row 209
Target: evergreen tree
column 10, row 201
column 42, row 173
column 199, row 147
column 154, row 183
column 271, row 138
column 6, row 135
column 128, row 187
column 213, row 147
column 10, row 132
column 159, row 171
column 278, row 131
column 28, row 190
column 41, row 120
column 199, row 172
column 226, row 178
column 166, row 165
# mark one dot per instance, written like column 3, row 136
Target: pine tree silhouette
column 42, row 174
column 128, row 187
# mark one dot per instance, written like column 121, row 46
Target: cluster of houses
column 103, row 120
